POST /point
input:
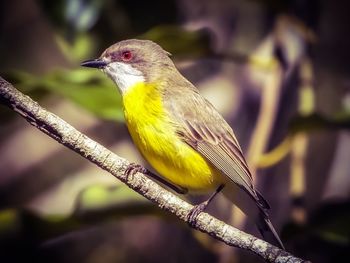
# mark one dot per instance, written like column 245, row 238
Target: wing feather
column 202, row 127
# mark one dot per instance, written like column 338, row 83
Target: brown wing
column 203, row 128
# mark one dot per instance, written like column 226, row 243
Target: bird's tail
column 267, row 230
column 264, row 224
column 256, row 209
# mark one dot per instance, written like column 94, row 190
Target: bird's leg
column 133, row 168
column 197, row 209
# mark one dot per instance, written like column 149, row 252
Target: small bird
column 179, row 132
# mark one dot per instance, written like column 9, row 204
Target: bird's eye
column 126, row 55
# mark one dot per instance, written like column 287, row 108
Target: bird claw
column 194, row 213
column 134, row 168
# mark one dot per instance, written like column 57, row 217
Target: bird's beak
column 94, row 63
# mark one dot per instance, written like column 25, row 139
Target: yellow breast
column 154, row 134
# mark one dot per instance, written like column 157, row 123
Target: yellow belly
column 154, row 135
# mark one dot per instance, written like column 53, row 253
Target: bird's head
column 132, row 61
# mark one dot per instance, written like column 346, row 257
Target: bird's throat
column 124, row 75
column 143, row 104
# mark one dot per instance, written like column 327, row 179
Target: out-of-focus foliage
column 77, row 50
column 309, row 123
column 317, row 122
column 97, row 197
column 8, row 221
column 328, row 230
column 88, row 88
column 275, row 155
column 79, row 15
column 179, row 41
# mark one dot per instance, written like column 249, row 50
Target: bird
column 179, row 132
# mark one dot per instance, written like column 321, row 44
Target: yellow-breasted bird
column 178, row 131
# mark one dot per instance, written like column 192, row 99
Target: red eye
column 126, row 56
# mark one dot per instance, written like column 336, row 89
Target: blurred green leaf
column 179, row 41
column 88, row 88
column 98, row 196
column 316, row 121
column 99, row 96
column 78, row 49
column 335, row 237
column 8, row 221
column 331, row 222
column 327, row 226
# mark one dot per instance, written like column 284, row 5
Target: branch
column 65, row 134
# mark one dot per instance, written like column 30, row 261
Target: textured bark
column 67, row 135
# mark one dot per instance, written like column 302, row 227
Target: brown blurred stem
column 65, row 134
column 267, row 115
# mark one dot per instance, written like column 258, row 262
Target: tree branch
column 65, row 134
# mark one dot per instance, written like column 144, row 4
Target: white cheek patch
column 124, row 75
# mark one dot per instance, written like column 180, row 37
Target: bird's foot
column 197, row 209
column 194, row 213
column 134, row 168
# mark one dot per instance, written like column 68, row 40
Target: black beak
column 94, row 63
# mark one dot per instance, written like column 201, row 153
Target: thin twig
column 65, row 134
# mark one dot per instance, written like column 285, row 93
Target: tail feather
column 256, row 209
column 262, row 201
column 268, row 231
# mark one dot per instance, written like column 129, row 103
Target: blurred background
column 277, row 70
